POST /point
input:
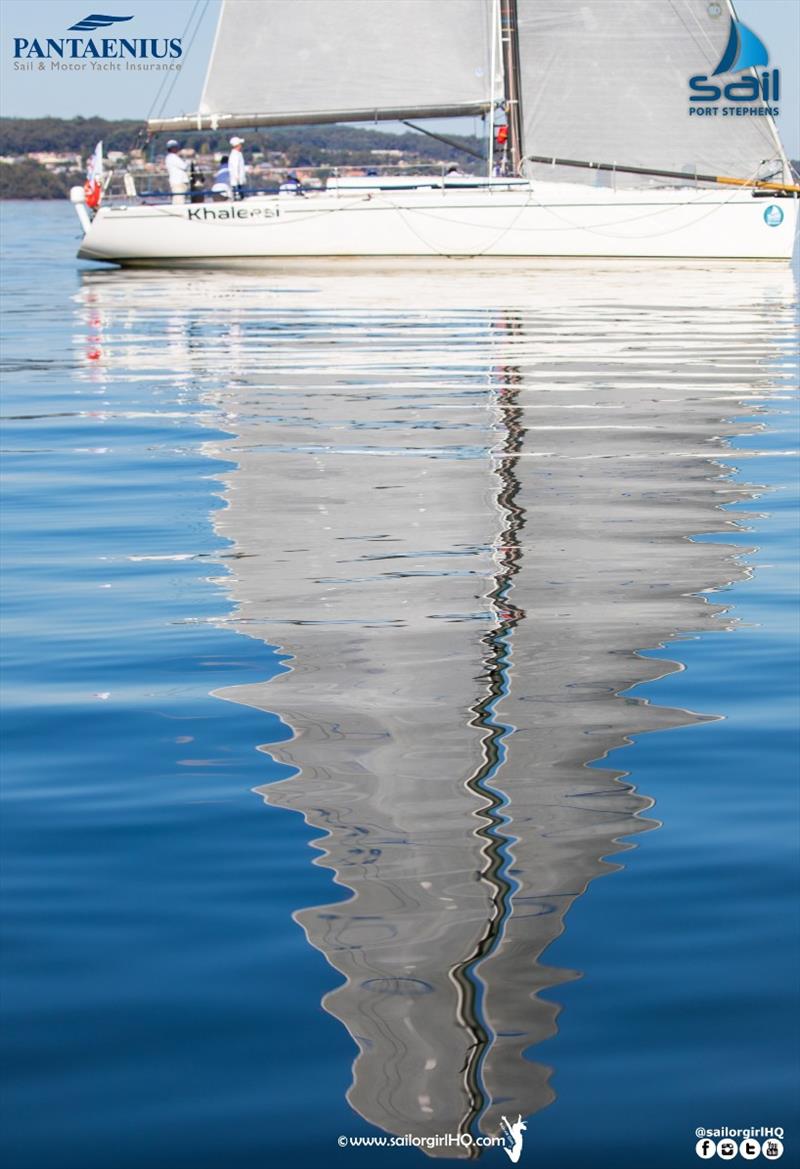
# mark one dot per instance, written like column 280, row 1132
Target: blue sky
column 137, row 95
column 113, row 95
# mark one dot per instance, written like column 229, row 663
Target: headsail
column 610, row 83
column 283, row 62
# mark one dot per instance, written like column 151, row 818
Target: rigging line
column 509, row 227
column 405, row 212
column 447, row 141
column 164, row 79
column 167, row 80
column 175, row 75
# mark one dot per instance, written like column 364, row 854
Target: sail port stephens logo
column 753, row 93
column 106, row 53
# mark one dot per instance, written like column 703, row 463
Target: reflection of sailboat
column 462, row 523
column 606, row 92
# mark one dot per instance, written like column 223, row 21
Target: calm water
column 489, row 578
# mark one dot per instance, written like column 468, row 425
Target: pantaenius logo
column 773, row 215
column 96, row 20
column 88, row 49
column 753, row 92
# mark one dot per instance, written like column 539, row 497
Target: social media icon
column 705, row 1148
column 727, row 1150
column 749, row 1149
column 772, row 1149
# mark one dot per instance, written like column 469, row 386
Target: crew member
column 236, row 168
column 178, row 172
column 221, row 189
column 291, row 185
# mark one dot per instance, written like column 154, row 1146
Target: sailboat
column 639, row 129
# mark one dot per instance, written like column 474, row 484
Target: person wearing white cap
column 177, row 172
column 237, row 168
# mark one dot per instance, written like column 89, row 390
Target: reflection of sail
column 462, row 522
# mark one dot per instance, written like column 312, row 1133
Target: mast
column 510, row 44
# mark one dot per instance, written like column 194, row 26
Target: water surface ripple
column 443, row 546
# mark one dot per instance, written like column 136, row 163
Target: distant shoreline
column 41, row 158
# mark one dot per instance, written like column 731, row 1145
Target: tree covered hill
column 26, row 179
column 30, row 135
column 305, row 145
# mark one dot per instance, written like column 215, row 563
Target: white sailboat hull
column 561, row 221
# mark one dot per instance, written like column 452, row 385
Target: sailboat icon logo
column 744, row 54
column 744, row 50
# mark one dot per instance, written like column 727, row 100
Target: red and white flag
column 93, row 187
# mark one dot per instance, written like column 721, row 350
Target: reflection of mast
column 507, row 555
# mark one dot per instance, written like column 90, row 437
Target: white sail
column 610, row 83
column 292, row 61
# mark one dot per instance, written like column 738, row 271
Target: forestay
column 610, row 83
column 293, row 61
